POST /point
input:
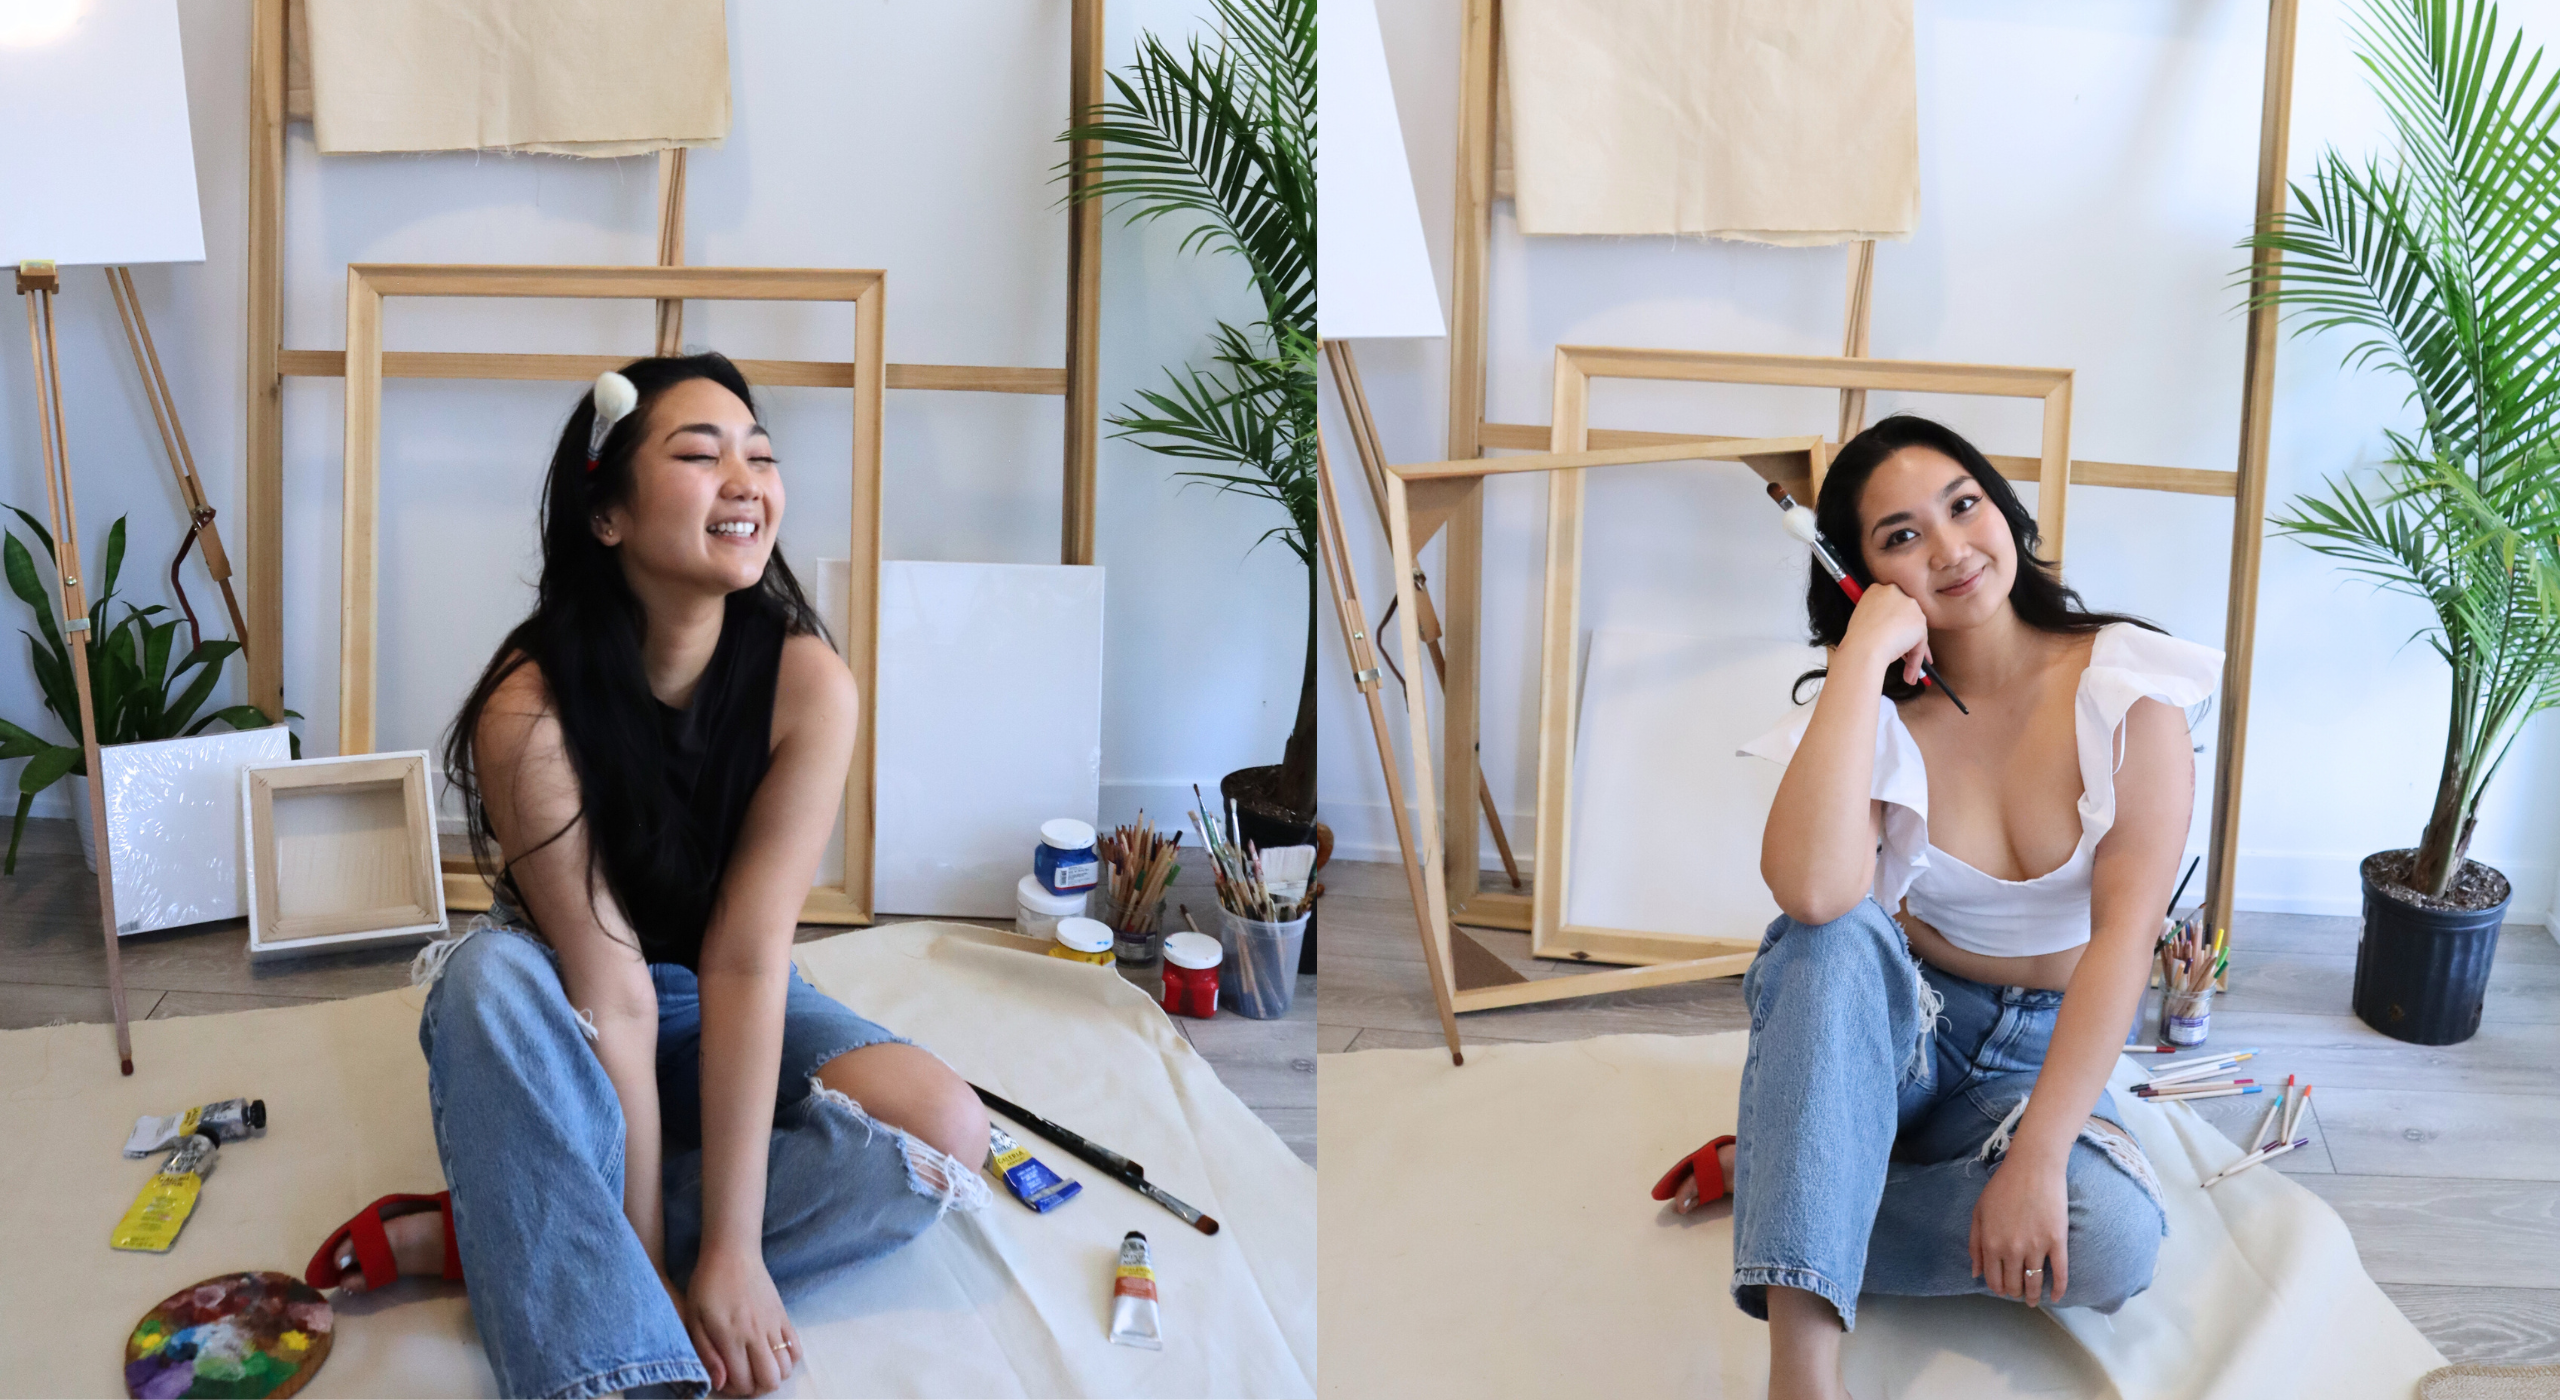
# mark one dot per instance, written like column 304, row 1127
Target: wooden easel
column 37, row 282
column 173, row 440
column 270, row 362
column 1365, row 674
column 1471, row 434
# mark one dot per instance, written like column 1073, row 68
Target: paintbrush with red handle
column 1801, row 525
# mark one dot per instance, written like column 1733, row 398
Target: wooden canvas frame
column 270, row 362
column 1799, row 466
column 369, row 284
column 1471, row 434
column 420, row 914
column 1421, row 498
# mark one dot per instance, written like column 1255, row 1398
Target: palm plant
column 1223, row 135
column 2445, row 260
column 131, row 681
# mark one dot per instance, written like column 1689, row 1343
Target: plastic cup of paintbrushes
column 1259, row 977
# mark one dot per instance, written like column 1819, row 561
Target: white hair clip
column 614, row 397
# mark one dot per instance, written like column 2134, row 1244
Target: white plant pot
column 80, row 818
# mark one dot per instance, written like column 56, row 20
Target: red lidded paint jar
column 1191, row 975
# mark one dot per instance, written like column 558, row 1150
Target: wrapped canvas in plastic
column 173, row 825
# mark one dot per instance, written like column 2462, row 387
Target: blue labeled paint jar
column 1064, row 861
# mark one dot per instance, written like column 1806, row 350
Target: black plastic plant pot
column 2422, row 975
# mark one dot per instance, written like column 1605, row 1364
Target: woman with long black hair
column 1970, row 907
column 651, row 1128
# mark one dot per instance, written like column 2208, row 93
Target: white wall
column 2086, row 170
column 915, row 138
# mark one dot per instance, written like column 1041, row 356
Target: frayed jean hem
column 674, row 1374
column 1751, row 1283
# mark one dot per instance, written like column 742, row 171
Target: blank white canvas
column 990, row 723
column 1374, row 278
column 173, row 825
column 98, row 166
column 1667, row 817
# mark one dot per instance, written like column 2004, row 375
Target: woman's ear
column 606, row 531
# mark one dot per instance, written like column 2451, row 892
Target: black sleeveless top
column 715, row 753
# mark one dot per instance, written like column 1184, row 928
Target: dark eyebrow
column 753, row 430
column 1898, row 517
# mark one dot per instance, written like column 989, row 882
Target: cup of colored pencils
column 1141, row 864
column 2189, row 965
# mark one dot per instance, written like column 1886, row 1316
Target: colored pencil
column 2173, row 1090
column 2208, row 1093
column 2261, row 1155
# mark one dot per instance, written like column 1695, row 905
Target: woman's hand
column 746, row 1340
column 1887, row 622
column 2023, row 1221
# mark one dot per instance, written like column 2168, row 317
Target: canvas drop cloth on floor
column 1488, row 1232
column 1000, row 1303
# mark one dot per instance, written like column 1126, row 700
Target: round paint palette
column 252, row 1336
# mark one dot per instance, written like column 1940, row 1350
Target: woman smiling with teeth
column 1970, row 905
column 653, row 1130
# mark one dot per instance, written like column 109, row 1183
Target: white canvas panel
column 1375, row 278
column 99, row 167
column 173, row 825
column 990, row 723
column 1666, row 816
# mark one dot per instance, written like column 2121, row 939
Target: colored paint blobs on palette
column 240, row 1336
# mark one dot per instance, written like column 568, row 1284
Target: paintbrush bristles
column 1244, row 886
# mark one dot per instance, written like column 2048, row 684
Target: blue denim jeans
column 1874, row 1103
column 531, row 1136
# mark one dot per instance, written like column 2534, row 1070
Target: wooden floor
column 2443, row 1161
column 53, row 972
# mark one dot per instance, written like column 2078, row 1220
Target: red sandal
column 373, row 1249
column 1710, row 1172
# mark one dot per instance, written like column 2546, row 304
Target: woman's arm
column 530, row 792
column 745, row 973
column 2136, row 865
column 1818, row 852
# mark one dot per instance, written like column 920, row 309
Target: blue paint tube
column 1027, row 1176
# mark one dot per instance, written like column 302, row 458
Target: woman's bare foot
column 417, row 1247
column 1687, row 1200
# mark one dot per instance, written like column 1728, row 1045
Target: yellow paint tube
column 161, row 1211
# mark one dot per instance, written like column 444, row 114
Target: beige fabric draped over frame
column 566, row 77
column 1771, row 121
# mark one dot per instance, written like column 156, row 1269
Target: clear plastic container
column 1260, row 975
column 1036, row 912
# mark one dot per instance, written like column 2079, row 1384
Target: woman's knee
column 2115, row 1237
column 912, row 1090
column 492, row 984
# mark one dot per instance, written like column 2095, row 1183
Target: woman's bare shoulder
column 813, row 685
column 518, row 709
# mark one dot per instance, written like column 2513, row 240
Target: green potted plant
column 1222, row 135
column 2442, row 260
column 138, row 693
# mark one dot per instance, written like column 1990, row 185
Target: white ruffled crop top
column 2020, row 918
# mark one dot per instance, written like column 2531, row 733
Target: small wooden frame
column 341, row 851
column 368, row 284
column 1419, row 498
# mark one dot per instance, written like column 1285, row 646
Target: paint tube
column 1027, row 1176
column 228, row 1121
column 152, row 1224
column 1133, row 1297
